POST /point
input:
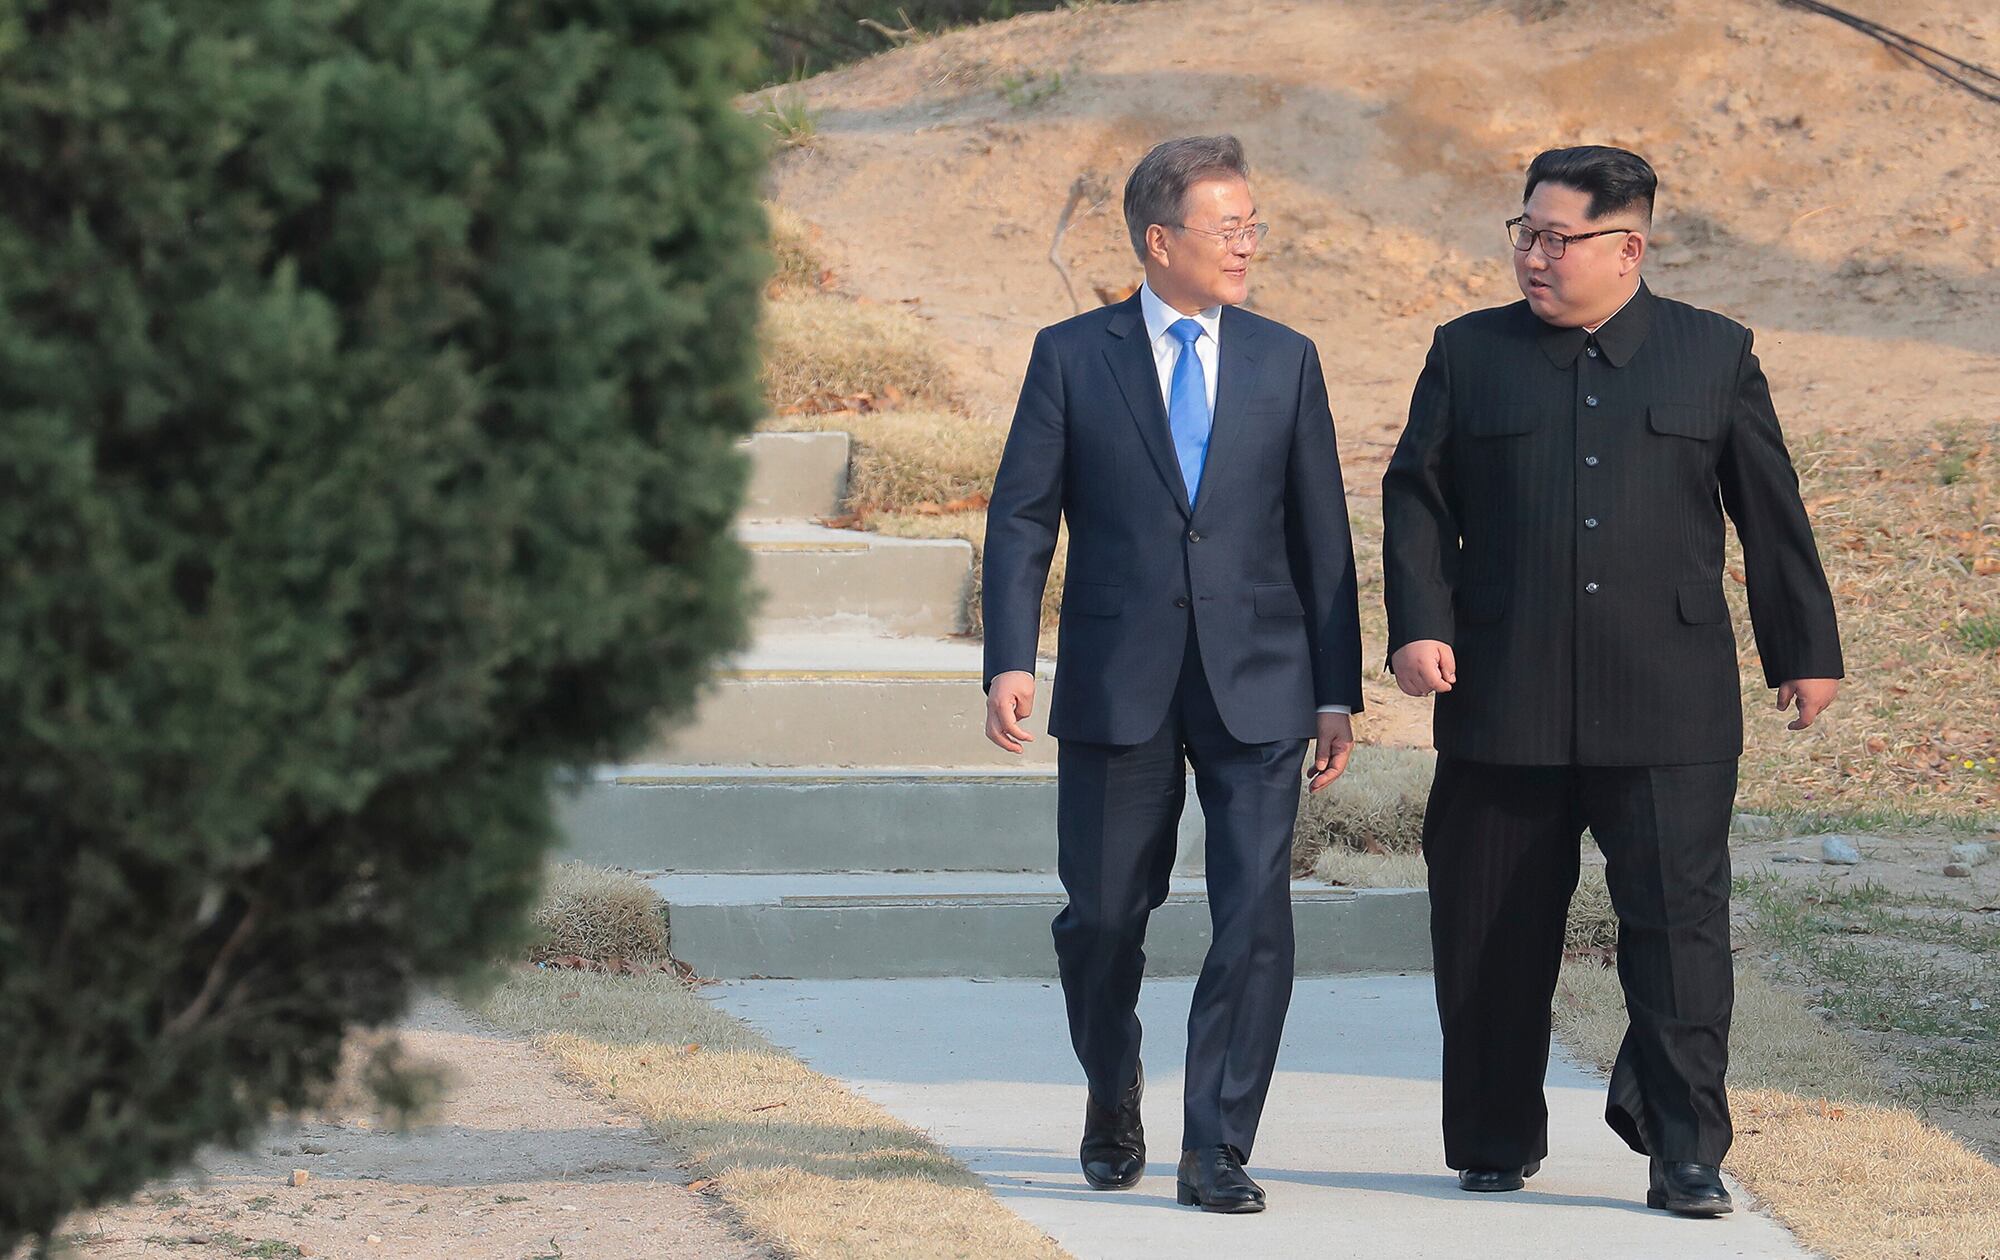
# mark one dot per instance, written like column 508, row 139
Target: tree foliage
column 369, row 377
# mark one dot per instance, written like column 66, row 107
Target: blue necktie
column 1188, row 415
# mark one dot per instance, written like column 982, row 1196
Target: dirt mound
column 1834, row 197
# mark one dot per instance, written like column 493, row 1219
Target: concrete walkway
column 1349, row 1150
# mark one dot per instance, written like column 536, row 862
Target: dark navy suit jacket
column 1262, row 567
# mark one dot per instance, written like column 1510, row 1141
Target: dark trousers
column 1118, row 812
column 1502, row 845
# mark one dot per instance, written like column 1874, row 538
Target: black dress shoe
column 1494, row 1180
column 1213, row 1178
column 1114, row 1142
column 1688, row 1189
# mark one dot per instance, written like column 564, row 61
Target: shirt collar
column 1160, row 316
column 1619, row 337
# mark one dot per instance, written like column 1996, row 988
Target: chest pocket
column 1686, row 420
column 1503, row 421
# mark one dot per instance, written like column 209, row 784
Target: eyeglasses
column 1251, row 235
column 1522, row 237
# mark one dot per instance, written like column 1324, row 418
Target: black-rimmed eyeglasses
column 1554, row 243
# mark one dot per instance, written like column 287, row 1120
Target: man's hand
column 1813, row 696
column 1423, row 666
column 1336, row 741
column 1009, row 699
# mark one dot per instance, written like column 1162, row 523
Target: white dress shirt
column 1207, row 348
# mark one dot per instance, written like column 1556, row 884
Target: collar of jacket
column 1619, row 337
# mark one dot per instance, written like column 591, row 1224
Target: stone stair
column 833, row 809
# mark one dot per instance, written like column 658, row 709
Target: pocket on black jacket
column 1686, row 420
column 1276, row 599
column 1702, row 604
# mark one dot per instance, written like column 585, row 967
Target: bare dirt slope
column 1814, row 186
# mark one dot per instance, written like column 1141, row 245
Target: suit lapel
column 1236, row 370
column 1131, row 357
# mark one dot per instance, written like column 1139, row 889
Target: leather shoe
column 1213, row 1178
column 1494, row 1180
column 1688, row 1189
column 1114, row 1142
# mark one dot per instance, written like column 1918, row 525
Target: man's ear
column 1632, row 253
column 1156, row 243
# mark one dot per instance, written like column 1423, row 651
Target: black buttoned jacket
column 1554, row 512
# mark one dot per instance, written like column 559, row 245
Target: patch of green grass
column 1981, row 634
column 789, row 118
column 261, row 1202
column 1873, row 820
column 1850, row 946
column 167, row 1199
column 1027, row 88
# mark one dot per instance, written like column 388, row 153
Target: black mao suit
column 1210, row 633
column 1554, row 512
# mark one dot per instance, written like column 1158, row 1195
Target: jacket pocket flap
column 1502, row 421
column 1277, row 599
column 1702, row 604
column 1480, row 604
column 1685, row 420
column 1093, row 599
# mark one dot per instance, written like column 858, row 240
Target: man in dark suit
column 1554, row 534
column 1208, row 616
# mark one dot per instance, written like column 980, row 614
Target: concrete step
column 841, row 699
column 799, row 476
column 840, row 927
column 747, row 819
column 813, row 576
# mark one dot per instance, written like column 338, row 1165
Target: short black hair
column 1616, row 179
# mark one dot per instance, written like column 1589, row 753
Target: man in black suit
column 1554, row 535
column 1209, row 616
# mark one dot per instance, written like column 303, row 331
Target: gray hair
column 1156, row 191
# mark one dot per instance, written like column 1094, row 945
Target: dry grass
column 910, row 460
column 1910, row 534
column 1351, row 868
column 796, row 264
column 1592, row 929
column 1377, row 805
column 1810, row 1130
column 599, row 915
column 821, row 349
column 1926, row 1195
column 804, row 1161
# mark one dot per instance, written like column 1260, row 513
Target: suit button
column 1590, row 522
column 1590, row 588
column 1590, row 461
column 1591, row 351
column 1590, row 400
column 1181, row 602
column 1194, row 536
